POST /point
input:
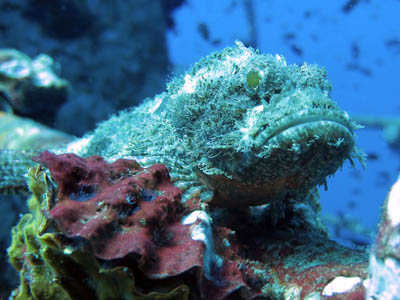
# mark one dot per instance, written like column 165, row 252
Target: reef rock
column 30, row 87
column 384, row 268
column 119, row 231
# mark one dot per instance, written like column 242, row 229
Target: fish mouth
column 318, row 124
column 292, row 158
column 308, row 147
column 307, row 121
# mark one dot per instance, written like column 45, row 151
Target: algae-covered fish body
column 240, row 128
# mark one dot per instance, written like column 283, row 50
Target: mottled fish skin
column 13, row 167
column 238, row 129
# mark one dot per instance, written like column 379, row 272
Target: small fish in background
column 204, row 31
column 372, row 156
column 310, row 13
column 355, row 50
column 296, row 50
column 383, row 179
column 355, row 66
column 351, row 4
column 307, row 14
column 362, row 70
column 216, row 42
column 351, row 204
column 290, row 38
column 393, row 45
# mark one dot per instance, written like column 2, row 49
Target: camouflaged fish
column 238, row 129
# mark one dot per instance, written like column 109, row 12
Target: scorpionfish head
column 258, row 129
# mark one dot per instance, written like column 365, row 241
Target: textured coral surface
column 119, row 231
column 123, row 209
column 384, row 268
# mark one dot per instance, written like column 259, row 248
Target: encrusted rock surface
column 108, row 231
column 114, row 54
column 384, row 268
column 30, row 87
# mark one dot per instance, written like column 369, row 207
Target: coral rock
column 29, row 87
column 384, row 268
column 108, row 231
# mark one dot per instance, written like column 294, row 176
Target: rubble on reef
column 101, row 79
column 384, row 268
column 30, row 87
column 99, row 230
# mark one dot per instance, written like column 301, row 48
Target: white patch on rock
column 203, row 232
column 393, row 204
column 45, row 78
column 194, row 216
column 15, row 68
column 340, row 285
column 384, row 277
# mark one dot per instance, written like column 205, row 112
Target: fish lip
column 304, row 118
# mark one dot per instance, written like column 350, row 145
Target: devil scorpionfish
column 238, row 129
column 241, row 132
